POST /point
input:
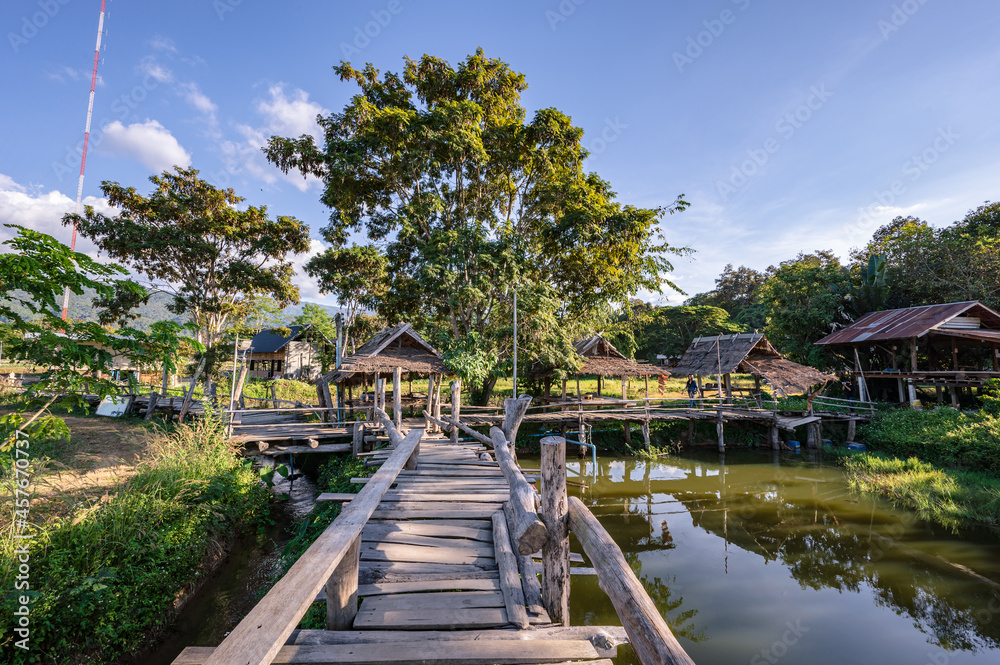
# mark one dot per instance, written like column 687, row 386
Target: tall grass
column 105, row 580
column 950, row 497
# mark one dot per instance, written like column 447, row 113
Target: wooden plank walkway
column 440, row 579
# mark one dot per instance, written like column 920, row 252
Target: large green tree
column 806, row 299
column 469, row 200
column 737, row 291
column 356, row 276
column 196, row 242
column 669, row 330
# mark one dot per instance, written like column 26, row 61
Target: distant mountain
column 81, row 308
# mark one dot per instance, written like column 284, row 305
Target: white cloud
column 290, row 116
column 161, row 43
column 42, row 211
column 308, row 287
column 150, row 67
column 149, row 143
column 195, row 97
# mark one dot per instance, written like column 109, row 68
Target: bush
column 945, row 437
column 106, row 580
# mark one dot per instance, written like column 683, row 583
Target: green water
column 766, row 558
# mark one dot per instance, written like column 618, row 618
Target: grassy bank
column 950, row 497
column 943, row 464
column 106, row 577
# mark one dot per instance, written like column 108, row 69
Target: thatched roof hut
column 748, row 353
column 601, row 358
column 398, row 346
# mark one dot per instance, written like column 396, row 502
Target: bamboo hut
column 747, row 353
column 600, row 358
column 397, row 351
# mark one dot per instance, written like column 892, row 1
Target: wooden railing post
column 342, row 590
column 555, row 551
column 358, row 438
column 456, row 406
column 648, row 633
column 397, row 397
column 411, row 461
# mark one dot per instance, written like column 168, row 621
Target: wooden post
column 913, row 354
column 690, row 431
column 529, row 531
column 166, row 380
column 456, row 406
column 514, row 410
column 775, row 437
column 357, row 438
column 431, row 427
column 953, row 391
column 645, row 434
column 151, row 407
column 274, row 395
column 627, row 429
column 852, row 426
column 937, row 394
column 648, row 633
column 411, row 461
column 510, row 580
column 719, row 432
column 190, row 391
column 954, row 357
column 564, row 381
column 899, row 387
column 811, row 441
column 996, row 358
column 912, row 387
column 342, row 590
column 624, row 387
column 437, row 396
column 647, row 385
column 397, row 397
column 599, row 386
column 555, row 551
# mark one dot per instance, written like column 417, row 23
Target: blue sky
column 789, row 126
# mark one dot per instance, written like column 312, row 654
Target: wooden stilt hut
column 397, row 352
column 747, row 353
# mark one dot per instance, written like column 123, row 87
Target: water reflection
column 738, row 551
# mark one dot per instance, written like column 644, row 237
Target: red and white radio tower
column 86, row 140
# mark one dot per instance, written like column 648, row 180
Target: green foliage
column 321, row 331
column 737, row 290
column 195, row 241
column 467, row 200
column 106, row 580
column 944, row 437
column 949, row 497
column 669, row 330
column 805, row 300
column 990, row 399
column 356, row 275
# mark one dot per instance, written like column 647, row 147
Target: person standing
column 692, row 389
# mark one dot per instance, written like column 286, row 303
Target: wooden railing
column 332, row 561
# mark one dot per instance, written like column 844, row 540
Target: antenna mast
column 86, row 140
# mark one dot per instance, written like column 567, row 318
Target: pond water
column 761, row 557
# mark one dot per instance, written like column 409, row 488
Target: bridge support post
column 342, row 590
column 397, row 397
column 357, row 438
column 411, row 461
column 719, row 431
column 555, row 551
column 456, row 406
column 812, row 440
column 775, row 436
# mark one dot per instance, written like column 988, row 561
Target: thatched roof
column 397, row 346
column 748, row 353
column 600, row 357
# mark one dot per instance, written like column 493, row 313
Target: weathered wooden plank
column 433, row 601
column 382, row 573
column 437, row 652
column 651, row 638
column 399, row 512
column 485, row 472
column 555, row 570
column 298, row 450
column 398, row 552
column 428, row 585
column 529, row 580
column 471, row 523
column 606, row 639
column 480, row 548
column 510, row 581
column 468, row 497
column 415, row 568
column 432, row 619
column 377, row 530
column 258, row 638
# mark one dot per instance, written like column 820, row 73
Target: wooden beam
column 529, row 580
column 648, row 633
column 513, row 414
column 445, row 420
column 529, row 531
column 510, row 583
column 555, row 551
column 258, row 639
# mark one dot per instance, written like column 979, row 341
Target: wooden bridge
column 433, row 562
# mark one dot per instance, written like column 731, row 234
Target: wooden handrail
column 651, row 638
column 529, row 531
column 257, row 639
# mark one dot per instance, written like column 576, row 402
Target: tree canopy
column 467, row 200
column 195, row 242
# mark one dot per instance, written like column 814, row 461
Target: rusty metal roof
column 910, row 322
